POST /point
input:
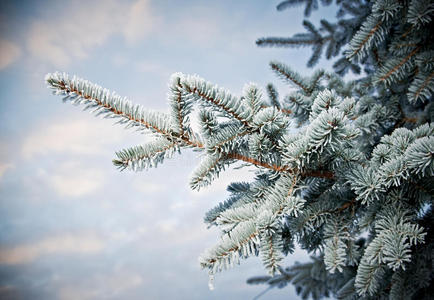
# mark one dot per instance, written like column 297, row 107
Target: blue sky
column 71, row 225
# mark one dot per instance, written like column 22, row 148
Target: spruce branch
column 208, row 123
column 390, row 71
column 273, row 95
column 306, row 173
column 258, row 163
column 180, row 108
column 196, row 88
column 310, row 5
column 270, row 121
column 421, row 88
column 271, row 244
column 241, row 243
column 351, row 183
column 92, row 96
column 231, row 217
column 334, row 254
column 143, row 157
column 286, row 73
column 366, row 183
column 226, row 139
column 287, row 42
column 281, row 200
column 234, row 201
column 208, row 169
column 370, row 34
column 299, row 105
column 368, row 278
column 253, row 98
column 420, row 13
column 420, row 156
column 323, row 101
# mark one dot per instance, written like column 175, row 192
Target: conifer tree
column 345, row 169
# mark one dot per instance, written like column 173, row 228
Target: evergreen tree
column 344, row 168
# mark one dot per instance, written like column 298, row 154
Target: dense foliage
column 344, row 168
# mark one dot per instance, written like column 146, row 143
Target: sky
column 71, row 225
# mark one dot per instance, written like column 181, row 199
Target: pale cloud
column 147, row 66
column 71, row 136
column 120, row 60
column 9, row 53
column 72, row 179
column 168, row 225
column 123, row 280
column 185, row 204
column 85, row 243
column 139, row 21
column 5, row 156
column 200, row 30
column 72, row 292
column 84, row 25
column 4, row 167
column 210, row 28
column 102, row 286
column 141, row 66
column 146, row 187
column 121, row 235
column 171, row 230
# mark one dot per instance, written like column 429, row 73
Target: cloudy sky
column 71, row 225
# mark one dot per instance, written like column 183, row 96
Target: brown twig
column 394, row 69
column 424, row 84
column 371, row 32
column 216, row 103
column 289, row 77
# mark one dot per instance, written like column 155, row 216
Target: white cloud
column 209, row 27
column 141, row 65
column 5, row 156
column 147, row 66
column 72, row 292
column 121, row 235
column 84, row 25
column 84, row 243
column 200, row 30
column 184, row 204
column 74, row 180
column 140, row 21
column 4, row 167
column 70, row 136
column 123, row 280
column 120, row 60
column 168, row 225
column 146, row 187
column 103, row 286
column 172, row 230
column 9, row 53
